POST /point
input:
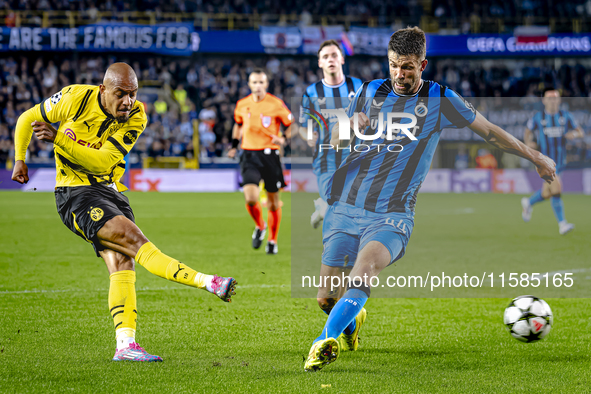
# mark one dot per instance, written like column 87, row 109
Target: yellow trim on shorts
column 78, row 228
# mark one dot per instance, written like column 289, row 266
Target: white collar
column 335, row 86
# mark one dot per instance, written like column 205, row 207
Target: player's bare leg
column 253, row 206
column 122, row 235
column 274, row 220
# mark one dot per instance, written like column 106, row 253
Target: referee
column 259, row 117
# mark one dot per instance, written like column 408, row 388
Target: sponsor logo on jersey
column 70, row 134
column 89, row 126
column 377, row 105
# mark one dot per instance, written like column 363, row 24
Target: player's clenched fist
column 362, row 119
column 546, row 167
column 20, row 173
column 44, row 131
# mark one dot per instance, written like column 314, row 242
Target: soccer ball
column 528, row 318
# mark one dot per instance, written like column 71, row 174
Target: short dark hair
column 550, row 89
column 409, row 41
column 258, row 71
column 328, row 43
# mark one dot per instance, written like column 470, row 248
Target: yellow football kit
column 90, row 144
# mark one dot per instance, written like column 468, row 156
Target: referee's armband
column 235, row 143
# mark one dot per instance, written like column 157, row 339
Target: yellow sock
column 123, row 306
column 152, row 259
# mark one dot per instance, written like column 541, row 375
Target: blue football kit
column 372, row 194
column 549, row 133
column 319, row 96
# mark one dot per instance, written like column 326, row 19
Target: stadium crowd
column 454, row 9
column 179, row 91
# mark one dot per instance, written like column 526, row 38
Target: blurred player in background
column 259, row 117
column 335, row 90
column 99, row 125
column 548, row 131
column 372, row 195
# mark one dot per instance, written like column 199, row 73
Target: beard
column 122, row 118
column 407, row 89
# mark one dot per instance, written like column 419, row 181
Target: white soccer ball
column 528, row 318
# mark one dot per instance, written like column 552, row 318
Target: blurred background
column 193, row 58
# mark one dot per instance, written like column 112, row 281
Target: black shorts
column 86, row 209
column 262, row 164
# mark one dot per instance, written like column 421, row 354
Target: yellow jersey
column 90, row 144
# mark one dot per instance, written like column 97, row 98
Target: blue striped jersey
column 381, row 180
column 317, row 97
column 549, row 131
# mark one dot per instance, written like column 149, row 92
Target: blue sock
column 558, row 208
column 536, row 197
column 350, row 328
column 343, row 313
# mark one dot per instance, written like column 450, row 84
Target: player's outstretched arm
column 499, row 138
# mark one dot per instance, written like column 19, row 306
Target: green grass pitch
column 56, row 334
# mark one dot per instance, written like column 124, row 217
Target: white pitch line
column 41, row 291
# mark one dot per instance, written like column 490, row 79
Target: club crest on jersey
column 351, row 94
column 266, row 120
column 421, row 110
column 130, row 137
column 321, row 101
column 561, row 121
column 114, row 128
column 96, row 214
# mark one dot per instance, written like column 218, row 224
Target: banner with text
column 182, row 39
column 177, row 39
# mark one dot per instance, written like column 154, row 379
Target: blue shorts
column 322, row 180
column 347, row 229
